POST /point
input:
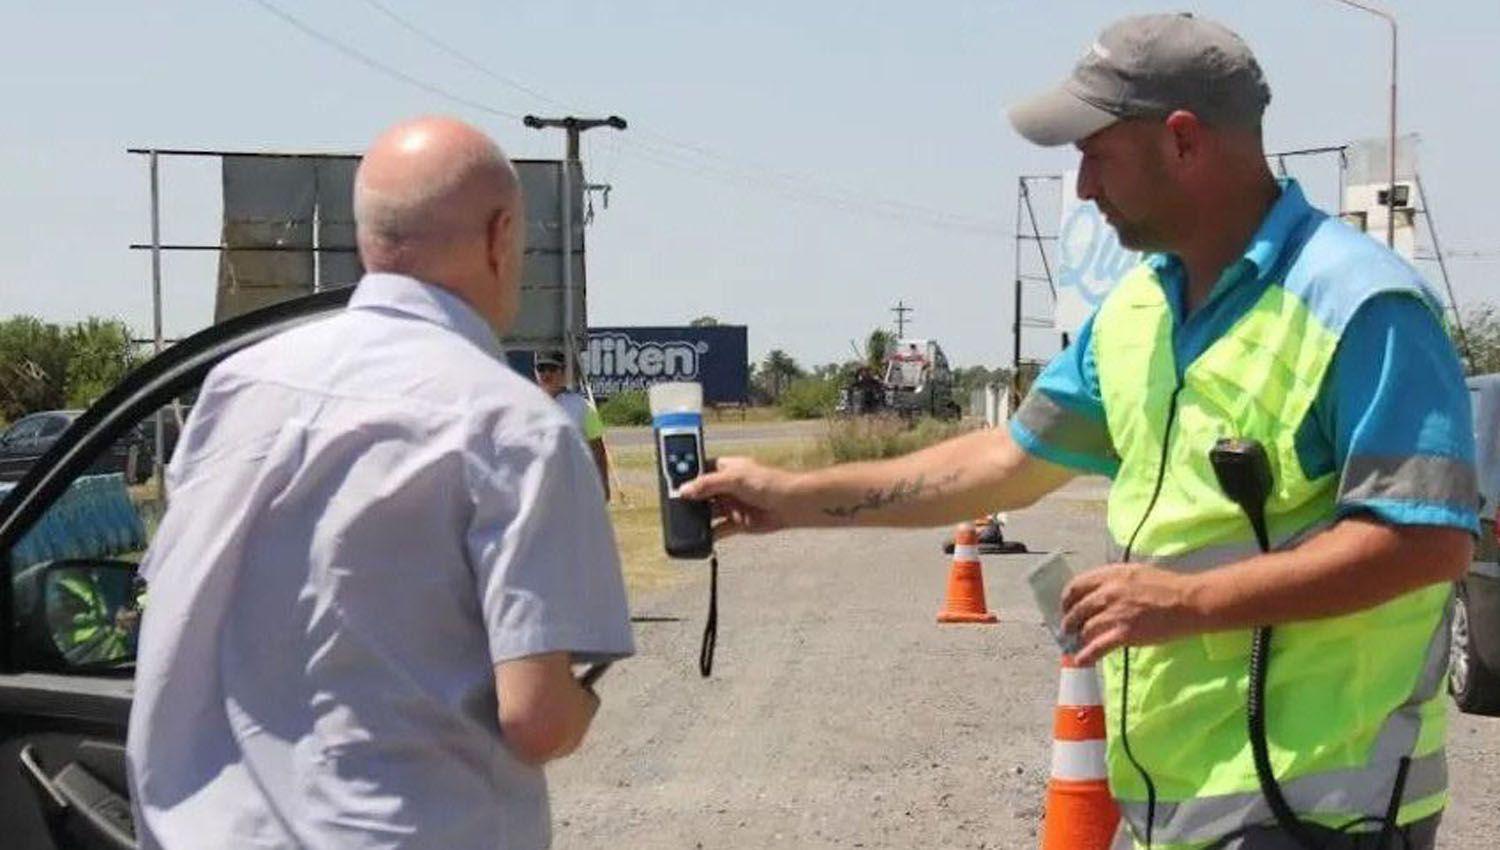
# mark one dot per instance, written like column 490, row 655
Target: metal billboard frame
column 572, row 280
column 571, row 251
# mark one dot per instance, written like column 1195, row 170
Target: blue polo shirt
column 1393, row 407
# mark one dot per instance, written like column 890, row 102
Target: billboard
column 620, row 359
column 289, row 231
column 1367, row 182
column 1090, row 259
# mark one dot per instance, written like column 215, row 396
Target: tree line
column 48, row 366
column 778, row 379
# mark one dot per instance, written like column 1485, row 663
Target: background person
column 550, row 369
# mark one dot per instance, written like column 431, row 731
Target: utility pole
column 901, row 310
column 574, row 127
column 159, row 444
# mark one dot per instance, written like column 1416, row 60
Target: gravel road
column 841, row 715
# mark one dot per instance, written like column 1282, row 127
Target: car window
column 25, row 429
column 76, row 596
column 54, row 425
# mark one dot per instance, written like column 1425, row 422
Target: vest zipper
column 1161, row 476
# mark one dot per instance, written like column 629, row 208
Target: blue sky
column 859, row 151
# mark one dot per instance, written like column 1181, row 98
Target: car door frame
column 67, row 730
column 139, row 394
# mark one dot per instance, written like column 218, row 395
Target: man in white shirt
column 551, row 375
column 383, row 555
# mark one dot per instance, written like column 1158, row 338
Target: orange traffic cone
column 1081, row 814
column 966, row 582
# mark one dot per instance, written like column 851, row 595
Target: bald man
column 384, row 554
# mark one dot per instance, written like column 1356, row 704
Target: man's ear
column 500, row 245
column 1186, row 136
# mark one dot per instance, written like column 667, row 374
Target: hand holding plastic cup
column 1047, row 580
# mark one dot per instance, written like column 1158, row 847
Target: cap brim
column 1058, row 117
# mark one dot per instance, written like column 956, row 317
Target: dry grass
column 767, row 413
column 876, row 437
column 637, row 525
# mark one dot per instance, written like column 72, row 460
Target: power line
column 803, row 196
column 471, row 62
column 754, row 172
column 790, row 186
column 376, row 65
column 824, row 191
column 760, row 172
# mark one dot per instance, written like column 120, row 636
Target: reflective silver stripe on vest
column 1353, row 793
column 1362, row 791
column 1209, row 557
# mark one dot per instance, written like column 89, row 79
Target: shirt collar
column 411, row 297
column 1278, row 227
column 1266, row 246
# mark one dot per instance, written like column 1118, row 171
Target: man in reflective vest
column 86, row 628
column 1253, row 316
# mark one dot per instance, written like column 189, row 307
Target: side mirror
column 77, row 614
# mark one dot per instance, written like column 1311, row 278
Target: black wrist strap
column 711, row 624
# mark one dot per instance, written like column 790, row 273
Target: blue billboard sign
column 622, row 359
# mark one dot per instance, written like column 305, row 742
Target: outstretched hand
column 748, row 497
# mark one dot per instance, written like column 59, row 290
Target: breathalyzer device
column 677, row 418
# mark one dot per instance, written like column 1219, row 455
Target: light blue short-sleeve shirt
column 367, row 514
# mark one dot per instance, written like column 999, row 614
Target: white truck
column 919, row 381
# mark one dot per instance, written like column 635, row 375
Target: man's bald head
column 436, row 199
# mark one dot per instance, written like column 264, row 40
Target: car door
column 70, row 539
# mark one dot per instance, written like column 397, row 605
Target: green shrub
column 626, row 409
column 809, row 398
column 875, row 437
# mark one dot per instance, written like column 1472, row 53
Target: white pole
column 160, row 439
column 317, row 236
column 1390, row 195
column 1390, row 219
column 569, row 349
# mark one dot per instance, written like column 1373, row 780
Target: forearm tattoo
column 904, row 490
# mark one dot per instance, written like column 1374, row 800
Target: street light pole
column 1390, row 195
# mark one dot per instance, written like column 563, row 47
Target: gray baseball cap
column 550, row 357
column 1145, row 66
